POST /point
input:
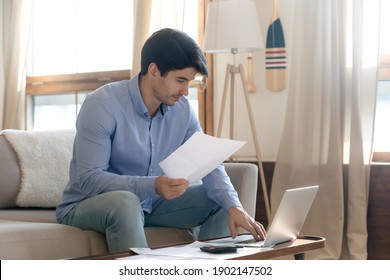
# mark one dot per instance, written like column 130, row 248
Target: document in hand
column 198, row 156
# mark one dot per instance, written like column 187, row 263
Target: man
column 124, row 130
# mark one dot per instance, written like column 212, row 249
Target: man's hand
column 170, row 188
column 238, row 217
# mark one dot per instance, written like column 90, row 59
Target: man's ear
column 153, row 70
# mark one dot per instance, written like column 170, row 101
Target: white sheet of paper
column 190, row 251
column 198, row 156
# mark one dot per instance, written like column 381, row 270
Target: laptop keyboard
column 251, row 242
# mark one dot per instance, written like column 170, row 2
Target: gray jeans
column 119, row 216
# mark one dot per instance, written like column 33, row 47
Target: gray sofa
column 28, row 229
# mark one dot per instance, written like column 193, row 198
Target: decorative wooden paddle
column 275, row 53
column 250, row 85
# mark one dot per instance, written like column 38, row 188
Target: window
column 75, row 36
column 382, row 117
column 54, row 100
column 381, row 146
column 79, row 45
column 56, row 111
column 69, row 36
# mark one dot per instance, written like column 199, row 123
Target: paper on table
column 190, row 251
column 198, row 156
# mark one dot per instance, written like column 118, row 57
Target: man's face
column 170, row 88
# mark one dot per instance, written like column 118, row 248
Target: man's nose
column 184, row 90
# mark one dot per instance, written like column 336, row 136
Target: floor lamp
column 232, row 26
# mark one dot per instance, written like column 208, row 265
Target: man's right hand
column 170, row 188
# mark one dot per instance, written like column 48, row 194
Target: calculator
column 218, row 249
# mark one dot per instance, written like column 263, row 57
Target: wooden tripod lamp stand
column 232, row 27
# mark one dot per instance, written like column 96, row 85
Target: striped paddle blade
column 275, row 57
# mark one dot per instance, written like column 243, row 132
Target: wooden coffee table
column 298, row 248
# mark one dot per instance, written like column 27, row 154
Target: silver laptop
column 286, row 224
column 288, row 220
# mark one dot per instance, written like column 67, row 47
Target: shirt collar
column 135, row 96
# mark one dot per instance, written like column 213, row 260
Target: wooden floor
column 378, row 216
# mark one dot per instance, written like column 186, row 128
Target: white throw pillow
column 44, row 158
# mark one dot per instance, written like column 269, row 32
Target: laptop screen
column 290, row 215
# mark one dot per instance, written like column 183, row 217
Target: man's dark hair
column 172, row 50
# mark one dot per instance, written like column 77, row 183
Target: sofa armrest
column 244, row 178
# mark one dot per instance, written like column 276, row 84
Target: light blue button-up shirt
column 118, row 146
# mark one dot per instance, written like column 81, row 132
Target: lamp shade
column 232, row 26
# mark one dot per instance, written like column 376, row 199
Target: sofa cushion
column 37, row 215
column 44, row 158
column 9, row 174
column 41, row 241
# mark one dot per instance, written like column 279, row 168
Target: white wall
column 268, row 107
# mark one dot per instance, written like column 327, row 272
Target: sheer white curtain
column 142, row 13
column 14, row 36
column 328, row 129
column 152, row 15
